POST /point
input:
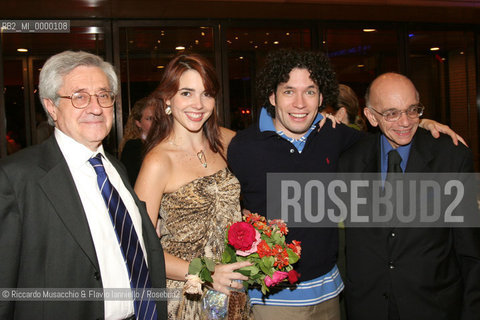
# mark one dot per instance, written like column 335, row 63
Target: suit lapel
column 371, row 159
column 60, row 189
column 419, row 156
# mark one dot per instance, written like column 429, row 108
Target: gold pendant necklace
column 202, row 158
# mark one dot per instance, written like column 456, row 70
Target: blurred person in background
column 348, row 108
column 134, row 135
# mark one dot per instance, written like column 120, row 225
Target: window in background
column 14, row 93
column 360, row 54
column 442, row 65
column 145, row 51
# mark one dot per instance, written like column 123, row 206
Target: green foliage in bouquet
column 262, row 243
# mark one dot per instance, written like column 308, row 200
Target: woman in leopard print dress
column 185, row 178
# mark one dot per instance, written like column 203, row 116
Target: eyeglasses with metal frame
column 413, row 112
column 81, row 99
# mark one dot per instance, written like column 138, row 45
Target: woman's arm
column 223, row 276
column 152, row 180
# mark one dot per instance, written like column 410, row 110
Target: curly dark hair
column 280, row 63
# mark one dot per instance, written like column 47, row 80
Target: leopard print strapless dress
column 193, row 223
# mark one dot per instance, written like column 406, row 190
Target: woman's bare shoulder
column 158, row 160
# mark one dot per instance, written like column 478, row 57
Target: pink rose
column 253, row 249
column 277, row 277
column 242, row 236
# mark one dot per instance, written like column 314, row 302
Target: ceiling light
column 369, row 30
column 92, row 3
column 179, row 48
column 461, row 52
column 276, row 42
column 434, row 48
column 360, row 65
column 160, row 67
column 287, row 34
column 22, row 50
column 94, row 30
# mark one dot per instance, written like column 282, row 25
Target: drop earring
column 168, row 110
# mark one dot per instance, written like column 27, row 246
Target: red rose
column 293, row 276
column 241, row 236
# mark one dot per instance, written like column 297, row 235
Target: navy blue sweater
column 252, row 154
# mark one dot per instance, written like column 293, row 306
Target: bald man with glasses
column 397, row 273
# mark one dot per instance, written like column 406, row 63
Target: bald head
column 393, row 92
column 389, row 84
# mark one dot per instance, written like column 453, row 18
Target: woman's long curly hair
column 162, row 125
column 280, row 63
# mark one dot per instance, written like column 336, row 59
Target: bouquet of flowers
column 262, row 243
column 258, row 241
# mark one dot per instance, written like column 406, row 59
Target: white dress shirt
column 113, row 267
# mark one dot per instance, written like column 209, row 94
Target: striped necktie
column 145, row 308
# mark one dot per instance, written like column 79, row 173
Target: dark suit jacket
column 132, row 157
column 45, row 241
column 433, row 273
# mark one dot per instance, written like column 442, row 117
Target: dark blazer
column 433, row 273
column 45, row 241
column 132, row 157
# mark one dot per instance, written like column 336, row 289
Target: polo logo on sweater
column 328, row 160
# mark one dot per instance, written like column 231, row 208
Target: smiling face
column 393, row 91
column 88, row 126
column 191, row 105
column 296, row 103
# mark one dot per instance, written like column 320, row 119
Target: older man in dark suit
column 62, row 201
column 408, row 273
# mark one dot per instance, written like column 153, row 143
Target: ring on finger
column 230, row 285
